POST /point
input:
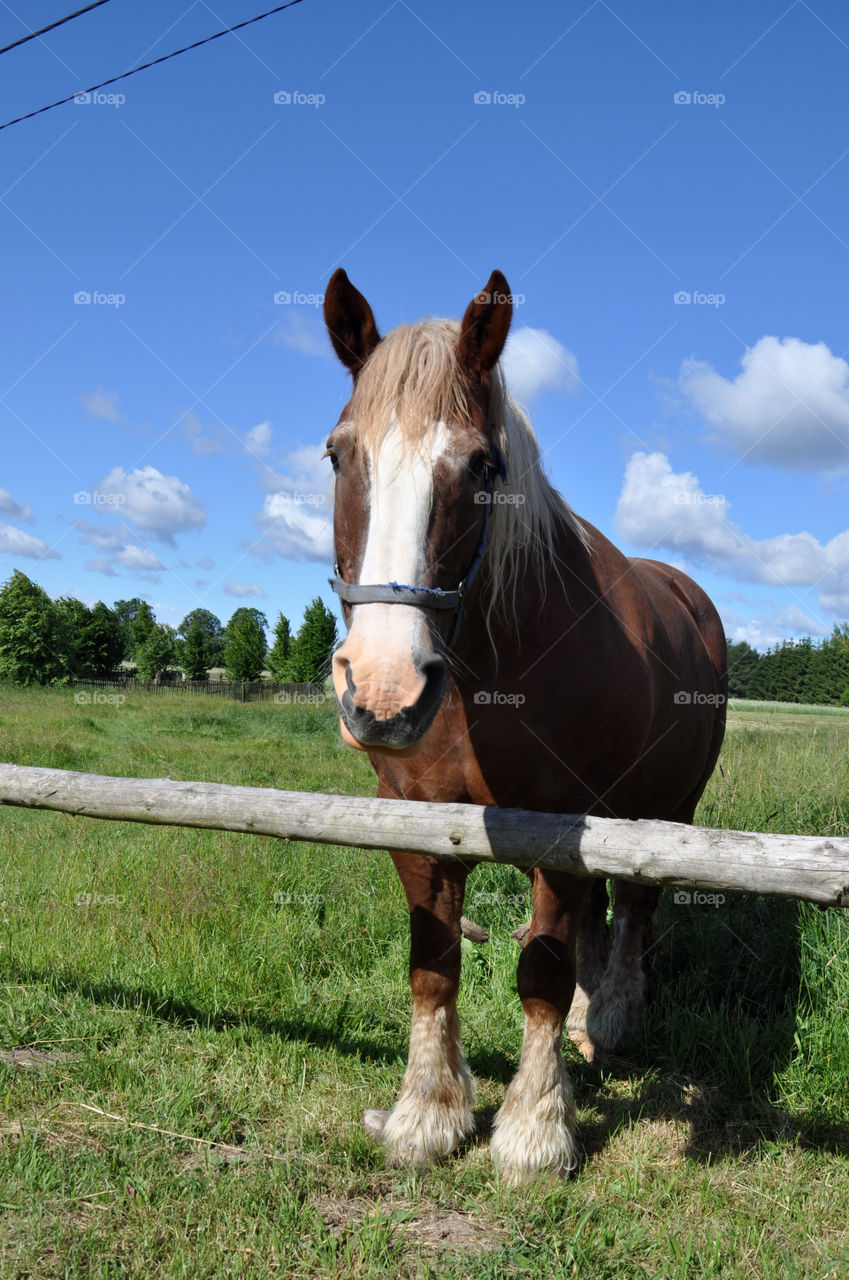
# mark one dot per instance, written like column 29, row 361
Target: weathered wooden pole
column 645, row 850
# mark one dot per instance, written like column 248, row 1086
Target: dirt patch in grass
column 220, row 1158
column 420, row 1224
column 25, row 1058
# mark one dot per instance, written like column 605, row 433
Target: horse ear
column 350, row 322
column 485, row 326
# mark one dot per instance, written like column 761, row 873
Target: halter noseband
column 426, row 597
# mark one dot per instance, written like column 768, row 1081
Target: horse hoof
column 522, row 933
column 585, row 1047
column 374, row 1122
column 615, row 1008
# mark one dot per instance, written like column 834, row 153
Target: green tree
column 832, row 665
column 312, row 647
column 33, row 634
column 212, row 633
column 102, row 641
column 244, row 652
column 195, row 662
column 74, row 619
column 156, row 652
column 280, row 651
column 245, row 611
column 142, row 627
column 742, row 664
column 126, row 612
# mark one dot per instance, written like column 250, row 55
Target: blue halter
column 427, row 597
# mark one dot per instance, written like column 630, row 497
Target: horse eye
column 334, row 461
column 477, row 465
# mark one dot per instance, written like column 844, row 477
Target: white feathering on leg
column 535, row 1129
column 433, row 1113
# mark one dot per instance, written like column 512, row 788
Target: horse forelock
column 414, row 383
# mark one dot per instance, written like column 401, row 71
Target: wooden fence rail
column 648, row 851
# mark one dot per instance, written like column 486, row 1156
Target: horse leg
column 592, row 956
column 433, row 1113
column 617, row 1002
column 535, row 1128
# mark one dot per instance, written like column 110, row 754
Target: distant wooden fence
column 241, row 690
column 647, row 851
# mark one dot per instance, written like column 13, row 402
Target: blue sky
column 610, row 158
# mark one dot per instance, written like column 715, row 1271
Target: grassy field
column 192, row 1023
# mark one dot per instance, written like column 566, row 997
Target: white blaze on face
column 386, row 644
column 400, row 503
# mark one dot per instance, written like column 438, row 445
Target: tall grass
column 251, row 996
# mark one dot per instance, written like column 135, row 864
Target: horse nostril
column 349, row 680
column 433, row 670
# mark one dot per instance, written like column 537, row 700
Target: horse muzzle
column 377, row 712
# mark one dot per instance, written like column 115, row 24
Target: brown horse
column 501, row 651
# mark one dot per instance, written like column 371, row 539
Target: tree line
column 793, row 671
column 45, row 641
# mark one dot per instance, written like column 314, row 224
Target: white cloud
column 306, row 474
column 104, row 539
column 241, row 590
column 766, row 630
column 661, row 508
column 16, row 510
column 101, row 565
column 258, row 439
column 203, row 446
column 138, row 558
column 534, row 361
column 160, row 505
column 17, row 543
column 206, row 446
column 303, row 333
column 789, row 404
column 295, row 530
column 206, row 562
column 102, row 404
column 296, row 517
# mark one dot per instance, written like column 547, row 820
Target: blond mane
column 413, row 380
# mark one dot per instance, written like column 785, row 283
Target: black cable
column 60, row 22
column 145, row 65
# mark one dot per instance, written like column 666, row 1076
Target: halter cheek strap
column 426, row 597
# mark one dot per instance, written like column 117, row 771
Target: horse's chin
column 380, row 748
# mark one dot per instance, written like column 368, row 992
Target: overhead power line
column 52, row 25
column 225, row 31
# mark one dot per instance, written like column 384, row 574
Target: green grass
column 253, row 996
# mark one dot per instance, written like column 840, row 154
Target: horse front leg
column 433, row 1113
column 535, row 1128
column 592, row 954
column 616, row 1004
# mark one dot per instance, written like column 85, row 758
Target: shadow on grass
column 720, row 1026
column 325, row 1034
